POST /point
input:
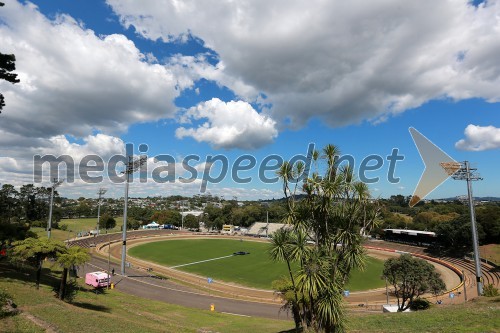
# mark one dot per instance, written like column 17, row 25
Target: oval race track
column 195, row 292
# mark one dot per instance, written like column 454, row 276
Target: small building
column 152, row 225
column 228, row 229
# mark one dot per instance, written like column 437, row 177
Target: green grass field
column 254, row 270
column 74, row 227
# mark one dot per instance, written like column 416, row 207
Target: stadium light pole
column 131, row 167
column 101, row 192
column 55, row 184
column 463, row 171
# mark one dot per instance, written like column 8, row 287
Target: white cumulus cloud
column 342, row 62
column 235, row 124
column 74, row 82
column 479, row 138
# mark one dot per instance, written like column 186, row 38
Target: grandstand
column 263, row 229
column 413, row 237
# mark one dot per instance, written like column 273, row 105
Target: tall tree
column 34, row 251
column 7, row 66
column 74, row 256
column 191, row 222
column 281, row 250
column 411, row 277
column 333, row 209
column 106, row 221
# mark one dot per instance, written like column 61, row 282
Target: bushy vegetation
column 411, row 277
column 420, row 304
column 7, row 305
column 450, row 220
column 490, row 291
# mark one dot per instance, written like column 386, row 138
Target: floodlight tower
column 132, row 166
column 101, row 192
column 55, row 184
column 463, row 171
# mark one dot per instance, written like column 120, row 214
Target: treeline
column 29, row 207
column 214, row 216
column 243, row 216
column 449, row 220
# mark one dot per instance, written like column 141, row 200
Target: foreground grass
column 479, row 315
column 117, row 312
column 245, row 270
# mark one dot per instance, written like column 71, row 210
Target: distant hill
column 477, row 199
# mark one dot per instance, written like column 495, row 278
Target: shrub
column 71, row 291
column 7, row 306
column 490, row 291
column 420, row 304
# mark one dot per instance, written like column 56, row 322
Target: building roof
column 411, row 232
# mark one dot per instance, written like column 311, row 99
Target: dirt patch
column 39, row 322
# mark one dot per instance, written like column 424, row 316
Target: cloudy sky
column 208, row 77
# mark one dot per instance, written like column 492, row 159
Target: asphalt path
column 139, row 284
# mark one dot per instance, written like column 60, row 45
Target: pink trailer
column 97, row 279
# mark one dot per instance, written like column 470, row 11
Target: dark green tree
column 168, row 216
column 34, row 251
column 411, row 277
column 191, row 222
column 74, row 256
column 107, row 221
column 7, row 66
column 489, row 218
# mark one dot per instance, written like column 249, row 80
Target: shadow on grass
column 93, row 307
column 27, row 274
column 293, row 330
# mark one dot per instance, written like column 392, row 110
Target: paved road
column 138, row 284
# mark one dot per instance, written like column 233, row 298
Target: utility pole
column 463, row 171
column 465, row 289
column 55, row 184
column 101, row 192
column 131, row 167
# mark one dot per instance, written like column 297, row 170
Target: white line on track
column 199, row 262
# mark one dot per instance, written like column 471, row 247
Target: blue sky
column 215, row 77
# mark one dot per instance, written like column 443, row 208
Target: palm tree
column 333, row 211
column 331, row 153
column 330, row 310
column 312, row 278
column 34, row 251
column 280, row 250
column 74, row 256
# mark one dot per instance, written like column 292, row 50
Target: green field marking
column 253, row 270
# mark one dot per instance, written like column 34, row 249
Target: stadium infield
column 213, row 258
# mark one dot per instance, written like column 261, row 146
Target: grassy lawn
column 491, row 252
column 479, row 315
column 254, row 270
column 76, row 226
column 118, row 312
